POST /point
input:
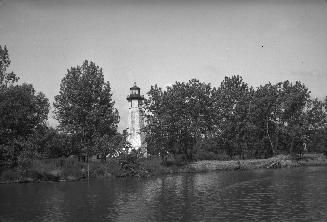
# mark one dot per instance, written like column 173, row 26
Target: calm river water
column 298, row 194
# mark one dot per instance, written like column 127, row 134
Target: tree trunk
column 276, row 143
column 292, row 145
column 164, row 159
column 88, row 170
column 271, row 144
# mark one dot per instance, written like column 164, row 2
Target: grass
column 69, row 169
column 279, row 161
column 61, row 169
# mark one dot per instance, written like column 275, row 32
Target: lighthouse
column 135, row 119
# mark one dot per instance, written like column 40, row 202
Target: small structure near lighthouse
column 135, row 119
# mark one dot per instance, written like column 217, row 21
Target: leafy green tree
column 315, row 126
column 292, row 123
column 54, row 144
column 178, row 117
column 233, row 102
column 233, row 119
column 156, row 130
column 84, row 107
column 266, row 107
column 22, row 112
column 5, row 76
column 281, row 116
column 112, row 146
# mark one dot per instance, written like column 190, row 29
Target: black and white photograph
column 163, row 110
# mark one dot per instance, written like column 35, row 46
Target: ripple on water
column 298, row 194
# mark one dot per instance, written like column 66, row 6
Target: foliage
column 130, row 164
column 235, row 119
column 233, row 104
column 177, row 117
column 111, row 146
column 84, row 106
column 6, row 77
column 186, row 121
column 22, row 112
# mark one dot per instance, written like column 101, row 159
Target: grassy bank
column 73, row 170
column 61, row 169
column 66, row 169
column 279, row 161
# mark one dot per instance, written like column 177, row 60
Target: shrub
column 10, row 174
column 130, row 165
column 73, row 172
column 202, row 155
column 113, row 166
column 98, row 169
column 153, row 165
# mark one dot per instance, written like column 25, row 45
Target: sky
column 159, row 42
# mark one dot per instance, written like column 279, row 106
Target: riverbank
column 280, row 161
column 66, row 170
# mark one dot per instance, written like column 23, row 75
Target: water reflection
column 275, row 195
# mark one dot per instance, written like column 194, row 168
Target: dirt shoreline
column 280, row 161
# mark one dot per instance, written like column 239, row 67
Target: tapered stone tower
column 135, row 119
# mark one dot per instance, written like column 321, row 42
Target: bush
column 10, row 175
column 98, row 169
column 153, row 165
column 177, row 160
column 203, row 155
column 73, row 172
column 55, row 169
column 130, row 165
column 113, row 166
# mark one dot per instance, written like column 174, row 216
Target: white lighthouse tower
column 135, row 119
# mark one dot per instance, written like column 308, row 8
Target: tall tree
column 266, row 108
column 292, row 121
column 5, row 76
column 84, row 107
column 22, row 112
column 178, row 117
column 233, row 102
column 112, row 146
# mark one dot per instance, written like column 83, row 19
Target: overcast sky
column 166, row 41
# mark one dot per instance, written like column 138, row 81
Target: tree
column 111, row 146
column 5, row 77
column 54, row 144
column 233, row 102
column 283, row 115
column 265, row 111
column 177, row 117
column 316, row 126
column 22, row 112
column 84, row 107
column 156, row 134
column 291, row 116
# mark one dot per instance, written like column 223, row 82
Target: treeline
column 234, row 120
column 192, row 120
column 84, row 109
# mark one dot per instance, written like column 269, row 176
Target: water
column 298, row 194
